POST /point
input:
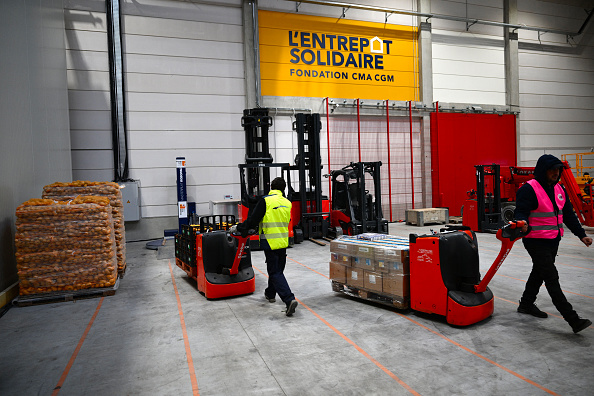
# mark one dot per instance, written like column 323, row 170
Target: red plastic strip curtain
column 328, row 140
column 412, row 161
column 389, row 159
column 371, row 131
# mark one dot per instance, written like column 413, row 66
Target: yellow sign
column 309, row 56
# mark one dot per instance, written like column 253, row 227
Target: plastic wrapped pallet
column 67, row 191
column 63, row 246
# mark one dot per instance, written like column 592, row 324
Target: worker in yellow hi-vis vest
column 272, row 215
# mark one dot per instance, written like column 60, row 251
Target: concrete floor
column 133, row 343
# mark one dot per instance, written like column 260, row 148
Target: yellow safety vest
column 274, row 227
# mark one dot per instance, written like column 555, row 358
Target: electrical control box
column 131, row 200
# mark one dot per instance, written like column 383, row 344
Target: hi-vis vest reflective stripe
column 544, row 222
column 274, row 227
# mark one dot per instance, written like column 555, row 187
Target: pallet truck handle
column 507, row 234
column 242, row 242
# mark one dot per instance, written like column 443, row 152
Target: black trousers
column 544, row 270
column 277, row 283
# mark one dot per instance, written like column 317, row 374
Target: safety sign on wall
column 309, row 56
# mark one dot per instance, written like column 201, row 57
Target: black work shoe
column 532, row 310
column 580, row 324
column 291, row 307
column 270, row 300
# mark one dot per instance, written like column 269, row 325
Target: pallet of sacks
column 67, row 191
column 64, row 247
column 374, row 269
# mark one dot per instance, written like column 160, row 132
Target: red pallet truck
column 224, row 265
column 445, row 276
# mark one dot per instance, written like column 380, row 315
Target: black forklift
column 354, row 209
column 311, row 209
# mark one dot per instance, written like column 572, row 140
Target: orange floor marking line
column 311, row 269
column 185, row 334
column 480, row 356
column 442, row 336
column 357, row 347
column 76, row 350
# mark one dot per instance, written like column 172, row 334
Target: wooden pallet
column 62, row 296
column 191, row 271
column 386, row 299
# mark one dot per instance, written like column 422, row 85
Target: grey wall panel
column 557, row 101
column 199, row 172
column 88, row 80
column 559, row 115
column 90, row 140
column 218, row 11
column 565, row 142
column 161, row 83
column 87, row 40
column 34, row 127
column 88, row 100
column 162, row 140
column 538, row 127
column 186, row 66
column 166, row 121
column 93, row 174
column 183, row 47
column 90, row 119
column 92, row 159
column 567, row 76
column 182, row 102
column 86, row 60
column 194, row 30
column 147, row 159
column 558, row 61
column 556, row 88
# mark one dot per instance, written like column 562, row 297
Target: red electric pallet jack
column 218, row 260
column 224, row 265
column 445, row 276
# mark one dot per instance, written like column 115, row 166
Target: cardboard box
column 340, row 258
column 373, row 281
column 338, row 272
column 396, row 284
column 363, row 249
column 355, row 277
column 364, row 263
column 341, row 246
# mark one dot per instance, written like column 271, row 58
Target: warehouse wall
column 188, row 80
column 34, row 125
column 468, row 66
column 556, row 82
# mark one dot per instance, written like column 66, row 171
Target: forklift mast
column 313, row 221
column 353, row 208
column 256, row 123
column 489, row 208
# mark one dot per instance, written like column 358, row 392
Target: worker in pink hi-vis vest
column 543, row 203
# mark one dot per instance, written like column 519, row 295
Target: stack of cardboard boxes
column 380, row 266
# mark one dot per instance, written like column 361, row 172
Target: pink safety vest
column 543, row 221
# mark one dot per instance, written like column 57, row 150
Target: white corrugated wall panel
column 185, row 93
column 556, row 82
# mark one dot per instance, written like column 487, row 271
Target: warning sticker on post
column 182, row 209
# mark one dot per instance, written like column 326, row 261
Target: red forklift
column 493, row 202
